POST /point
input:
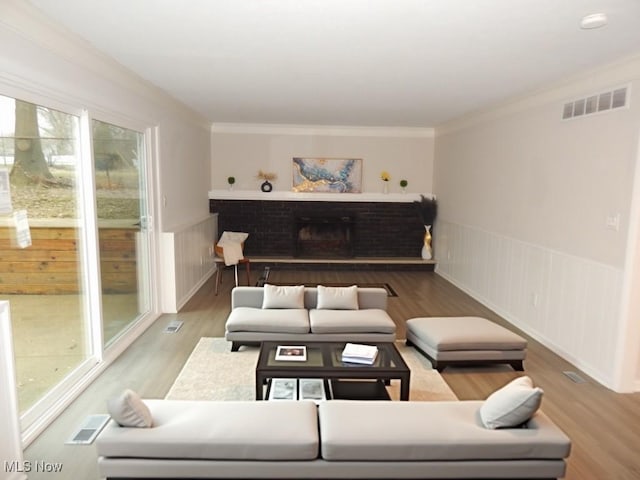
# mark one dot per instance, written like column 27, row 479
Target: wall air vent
column 596, row 103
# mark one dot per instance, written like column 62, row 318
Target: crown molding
column 322, row 130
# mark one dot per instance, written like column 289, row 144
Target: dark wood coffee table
column 347, row 380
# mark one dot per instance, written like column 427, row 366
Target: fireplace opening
column 323, row 237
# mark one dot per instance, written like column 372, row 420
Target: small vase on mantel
column 427, row 252
column 385, row 187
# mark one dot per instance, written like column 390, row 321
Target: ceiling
column 412, row 63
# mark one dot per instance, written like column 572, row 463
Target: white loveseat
column 350, row 314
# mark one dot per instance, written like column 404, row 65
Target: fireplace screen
column 323, row 237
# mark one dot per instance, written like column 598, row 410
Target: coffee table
column 346, row 379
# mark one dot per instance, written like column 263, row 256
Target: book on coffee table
column 291, row 353
column 312, row 389
column 357, row 353
column 283, row 389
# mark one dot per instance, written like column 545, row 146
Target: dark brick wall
column 382, row 229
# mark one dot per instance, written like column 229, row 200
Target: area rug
column 213, row 372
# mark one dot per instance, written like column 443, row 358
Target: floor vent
column 575, row 377
column 596, row 103
column 173, row 326
column 89, row 430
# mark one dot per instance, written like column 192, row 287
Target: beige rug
column 213, row 372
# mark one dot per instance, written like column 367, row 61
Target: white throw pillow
column 338, row 298
column 129, row 410
column 283, row 297
column 512, row 405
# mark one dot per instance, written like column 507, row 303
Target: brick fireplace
column 374, row 228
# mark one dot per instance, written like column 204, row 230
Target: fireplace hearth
column 323, row 237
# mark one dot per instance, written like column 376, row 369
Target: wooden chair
column 219, row 260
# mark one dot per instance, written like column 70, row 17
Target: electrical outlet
column 613, row 221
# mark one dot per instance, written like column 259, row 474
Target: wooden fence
column 51, row 265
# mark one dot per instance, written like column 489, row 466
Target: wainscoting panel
column 568, row 303
column 187, row 261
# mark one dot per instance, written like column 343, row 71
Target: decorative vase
column 427, row 252
column 231, row 187
column 385, row 187
column 266, row 186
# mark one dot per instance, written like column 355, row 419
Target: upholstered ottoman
column 465, row 341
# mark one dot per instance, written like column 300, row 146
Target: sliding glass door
column 42, row 266
column 120, row 157
column 74, row 243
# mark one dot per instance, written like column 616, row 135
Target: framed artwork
column 335, row 175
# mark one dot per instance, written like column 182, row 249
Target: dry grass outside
column 117, row 197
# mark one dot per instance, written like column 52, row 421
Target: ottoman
column 465, row 341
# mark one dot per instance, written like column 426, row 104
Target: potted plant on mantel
column 428, row 210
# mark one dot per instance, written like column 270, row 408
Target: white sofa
column 336, row 439
column 250, row 323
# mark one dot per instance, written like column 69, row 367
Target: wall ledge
column 287, row 196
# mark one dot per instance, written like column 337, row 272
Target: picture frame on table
column 291, row 353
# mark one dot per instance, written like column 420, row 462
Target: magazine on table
column 283, row 389
column 357, row 353
column 312, row 389
column 291, row 353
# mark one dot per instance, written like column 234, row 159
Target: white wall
column 524, row 198
column 242, row 150
column 189, row 261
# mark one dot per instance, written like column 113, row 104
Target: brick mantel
column 287, row 196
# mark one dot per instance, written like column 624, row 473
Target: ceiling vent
column 596, row 103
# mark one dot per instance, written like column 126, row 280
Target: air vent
column 574, row 377
column 596, row 103
column 173, row 326
column 89, row 430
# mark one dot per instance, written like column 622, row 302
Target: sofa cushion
column 511, row 405
column 248, row 319
column 218, row 431
column 351, row 321
column 338, row 298
column 276, row 296
column 427, row 431
column 128, row 410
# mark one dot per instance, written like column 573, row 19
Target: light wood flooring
column 604, row 426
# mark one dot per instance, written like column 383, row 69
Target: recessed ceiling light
column 596, row 20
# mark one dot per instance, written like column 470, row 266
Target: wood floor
column 604, row 426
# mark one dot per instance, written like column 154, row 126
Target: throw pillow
column 129, row 410
column 511, row 405
column 338, row 298
column 283, row 297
